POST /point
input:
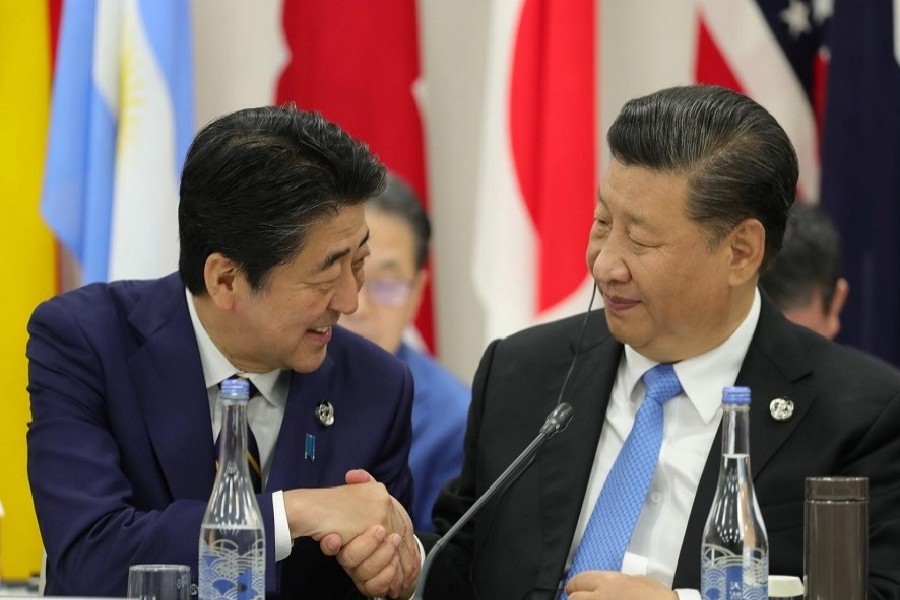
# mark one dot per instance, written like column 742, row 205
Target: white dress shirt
column 690, row 421
column 264, row 415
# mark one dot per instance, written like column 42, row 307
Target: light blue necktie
column 616, row 512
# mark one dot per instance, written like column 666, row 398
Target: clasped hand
column 365, row 527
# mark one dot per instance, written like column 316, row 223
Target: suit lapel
column 291, row 467
column 171, row 392
column 566, row 460
column 773, row 368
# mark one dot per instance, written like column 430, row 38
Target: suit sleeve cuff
column 283, row 542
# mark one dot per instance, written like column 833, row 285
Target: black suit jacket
column 846, row 421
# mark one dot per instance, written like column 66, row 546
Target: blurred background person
column 805, row 279
column 399, row 235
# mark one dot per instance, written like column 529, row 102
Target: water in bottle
column 232, row 537
column 735, row 549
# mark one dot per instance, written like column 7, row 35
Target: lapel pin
column 325, row 413
column 309, row 452
column 781, row 409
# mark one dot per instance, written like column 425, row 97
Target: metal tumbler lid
column 837, row 488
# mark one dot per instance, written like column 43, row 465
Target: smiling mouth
column 324, row 329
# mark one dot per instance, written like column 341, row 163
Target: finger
column 358, row 476
column 361, row 547
column 590, row 581
column 398, row 585
column 410, row 562
column 331, row 544
column 382, row 559
column 382, row 583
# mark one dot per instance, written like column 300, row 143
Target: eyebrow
column 338, row 255
column 632, row 218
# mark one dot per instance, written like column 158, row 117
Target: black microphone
column 557, row 421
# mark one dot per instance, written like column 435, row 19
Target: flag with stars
column 773, row 51
column 830, row 73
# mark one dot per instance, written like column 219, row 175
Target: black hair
column 256, row 180
column 809, row 262
column 738, row 160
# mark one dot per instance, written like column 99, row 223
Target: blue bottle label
column 733, row 578
column 227, row 573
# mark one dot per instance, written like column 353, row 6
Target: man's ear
column 747, row 242
column 833, row 316
column 220, row 275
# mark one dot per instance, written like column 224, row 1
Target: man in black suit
column 691, row 210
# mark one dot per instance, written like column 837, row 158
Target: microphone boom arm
column 556, row 422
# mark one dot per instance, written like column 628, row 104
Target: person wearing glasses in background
column 399, row 234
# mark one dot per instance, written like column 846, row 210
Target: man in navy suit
column 123, row 377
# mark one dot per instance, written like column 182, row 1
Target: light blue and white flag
column 121, row 123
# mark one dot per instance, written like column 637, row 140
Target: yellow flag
column 27, row 255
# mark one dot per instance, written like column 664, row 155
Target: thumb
column 358, row 476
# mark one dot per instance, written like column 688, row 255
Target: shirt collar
column 704, row 376
column 216, row 367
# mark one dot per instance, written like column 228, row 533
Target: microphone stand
column 555, row 423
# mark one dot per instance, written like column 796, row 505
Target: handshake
column 365, row 527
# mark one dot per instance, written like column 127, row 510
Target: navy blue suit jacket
column 120, row 450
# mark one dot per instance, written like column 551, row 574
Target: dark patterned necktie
column 252, row 448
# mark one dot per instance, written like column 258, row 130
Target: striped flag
column 121, row 122
column 537, row 180
column 357, row 63
column 772, row 51
column 829, row 73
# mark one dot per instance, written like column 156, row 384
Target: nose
column 346, row 294
column 364, row 303
column 609, row 264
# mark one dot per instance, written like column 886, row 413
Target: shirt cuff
column 688, row 594
column 283, row 542
column 421, row 552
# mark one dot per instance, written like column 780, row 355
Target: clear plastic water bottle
column 232, row 536
column 734, row 561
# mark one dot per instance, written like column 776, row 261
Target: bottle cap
column 785, row 587
column 837, row 488
column 736, row 395
column 236, row 388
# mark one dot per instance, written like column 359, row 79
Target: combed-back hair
column 256, row 180
column 738, row 160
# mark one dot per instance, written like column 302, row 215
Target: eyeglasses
column 388, row 292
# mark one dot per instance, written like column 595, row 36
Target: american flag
column 829, row 71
